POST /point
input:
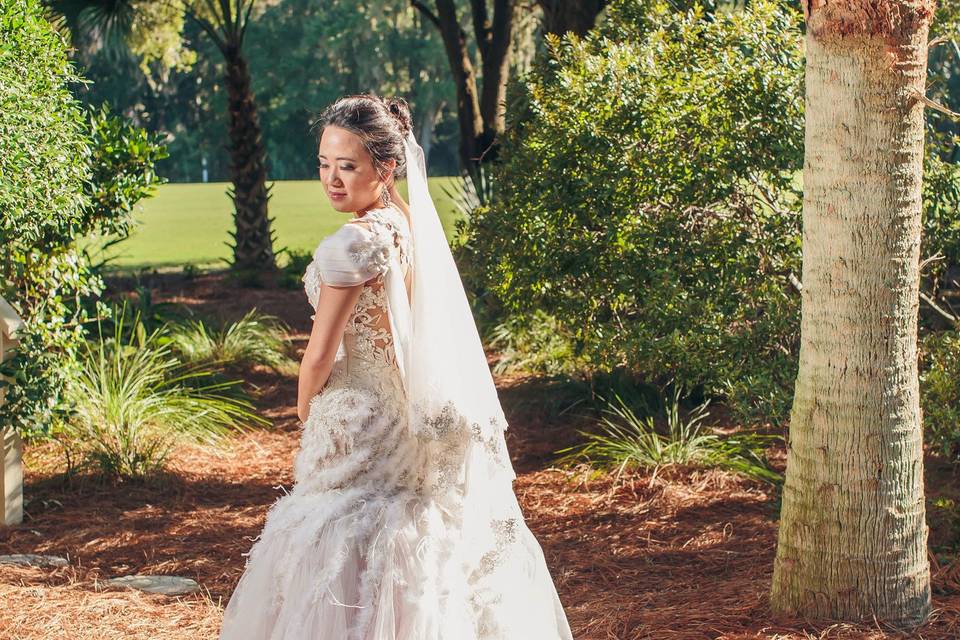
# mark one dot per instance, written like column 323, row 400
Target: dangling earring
column 385, row 196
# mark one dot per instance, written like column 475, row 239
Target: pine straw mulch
column 681, row 554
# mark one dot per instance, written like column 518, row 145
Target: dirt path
column 680, row 555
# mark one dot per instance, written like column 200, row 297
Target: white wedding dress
column 364, row 546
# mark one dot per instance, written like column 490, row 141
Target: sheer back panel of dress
column 369, row 325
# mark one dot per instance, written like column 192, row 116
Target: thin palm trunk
column 852, row 540
column 225, row 23
column 253, row 238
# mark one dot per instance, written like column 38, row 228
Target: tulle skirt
column 355, row 552
column 333, row 572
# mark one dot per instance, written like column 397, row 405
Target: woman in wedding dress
column 402, row 523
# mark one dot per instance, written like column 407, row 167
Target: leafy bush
column 940, row 391
column 534, row 343
column 943, row 516
column 657, row 217
column 123, row 172
column 137, row 308
column 43, row 166
column 134, row 401
column 626, row 440
column 941, row 219
column 256, row 338
column 62, row 175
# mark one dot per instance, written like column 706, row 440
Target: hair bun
column 400, row 110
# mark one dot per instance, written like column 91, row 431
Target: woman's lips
column 337, row 196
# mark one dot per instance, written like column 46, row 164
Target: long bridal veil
column 454, row 411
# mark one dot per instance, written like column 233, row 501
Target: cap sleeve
column 352, row 255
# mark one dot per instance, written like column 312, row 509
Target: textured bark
column 464, row 79
column 479, row 110
column 853, row 536
column 496, row 69
column 253, row 240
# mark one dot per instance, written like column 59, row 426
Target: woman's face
column 347, row 171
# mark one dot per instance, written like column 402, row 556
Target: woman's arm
column 333, row 312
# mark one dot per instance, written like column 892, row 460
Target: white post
column 11, row 463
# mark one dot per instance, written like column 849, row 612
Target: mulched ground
column 682, row 554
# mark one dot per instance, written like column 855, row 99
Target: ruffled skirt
column 356, row 552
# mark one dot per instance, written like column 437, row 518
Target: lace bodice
column 362, row 250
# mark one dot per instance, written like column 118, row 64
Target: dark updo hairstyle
column 381, row 124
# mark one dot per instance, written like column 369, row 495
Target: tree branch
column 425, row 10
column 209, row 29
column 481, row 26
column 796, row 283
column 246, row 20
column 227, row 10
column 936, row 106
column 950, row 317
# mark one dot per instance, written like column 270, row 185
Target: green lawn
column 190, row 223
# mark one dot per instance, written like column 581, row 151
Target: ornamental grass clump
column 256, row 338
column 135, row 401
column 625, row 440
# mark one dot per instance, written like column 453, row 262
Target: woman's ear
column 388, row 178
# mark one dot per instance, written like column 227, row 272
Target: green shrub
column 135, row 401
column 44, row 153
column 943, row 516
column 657, row 219
column 122, row 172
column 534, row 343
column 291, row 274
column 940, row 392
column 138, row 308
column 63, row 174
column 941, row 220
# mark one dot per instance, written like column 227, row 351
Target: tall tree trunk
column 852, row 540
column 464, row 79
column 479, row 111
column 495, row 39
column 253, row 238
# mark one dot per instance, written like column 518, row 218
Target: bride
column 402, row 523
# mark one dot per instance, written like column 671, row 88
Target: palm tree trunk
column 852, row 540
column 253, row 238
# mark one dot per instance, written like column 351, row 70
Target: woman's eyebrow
column 320, row 155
